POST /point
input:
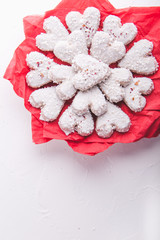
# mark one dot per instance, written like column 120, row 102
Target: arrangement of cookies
column 86, row 75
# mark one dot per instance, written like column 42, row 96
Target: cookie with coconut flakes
column 134, row 92
column 40, row 66
column 55, row 31
column 92, row 99
column 70, row 122
column 47, row 100
column 62, row 75
column 90, row 72
column 139, row 58
column 106, row 49
column 114, row 86
column 88, row 22
column 124, row 33
column 113, row 120
column 67, row 49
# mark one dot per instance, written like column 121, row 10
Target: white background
column 49, row 192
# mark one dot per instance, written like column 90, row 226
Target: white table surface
column 49, row 192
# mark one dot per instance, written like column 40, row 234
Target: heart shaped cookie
column 114, row 86
column 107, row 50
column 139, row 58
column 90, row 72
column 47, row 100
column 113, row 120
column 74, row 45
column 113, row 26
column 134, row 93
column 55, row 31
column 62, row 75
column 93, row 100
column 40, row 66
column 69, row 122
column 88, row 22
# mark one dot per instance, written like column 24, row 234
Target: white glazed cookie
column 47, row 100
column 39, row 65
column 106, row 49
column 90, row 72
column 74, row 45
column 113, row 120
column 139, row 58
column 113, row 87
column 62, row 75
column 113, row 26
column 134, row 93
column 69, row 122
column 93, row 100
column 55, row 31
column 88, row 22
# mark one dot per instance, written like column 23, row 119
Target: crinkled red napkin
column 144, row 124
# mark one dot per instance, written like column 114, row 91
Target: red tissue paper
column 144, row 124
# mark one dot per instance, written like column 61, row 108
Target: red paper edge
column 91, row 150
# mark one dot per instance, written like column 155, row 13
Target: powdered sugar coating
column 90, row 72
column 55, row 31
column 106, row 49
column 139, row 58
column 113, row 120
column 113, row 26
column 93, row 100
column 74, row 45
column 39, row 65
column 113, row 87
column 88, row 22
column 134, row 93
column 69, row 122
column 47, row 100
